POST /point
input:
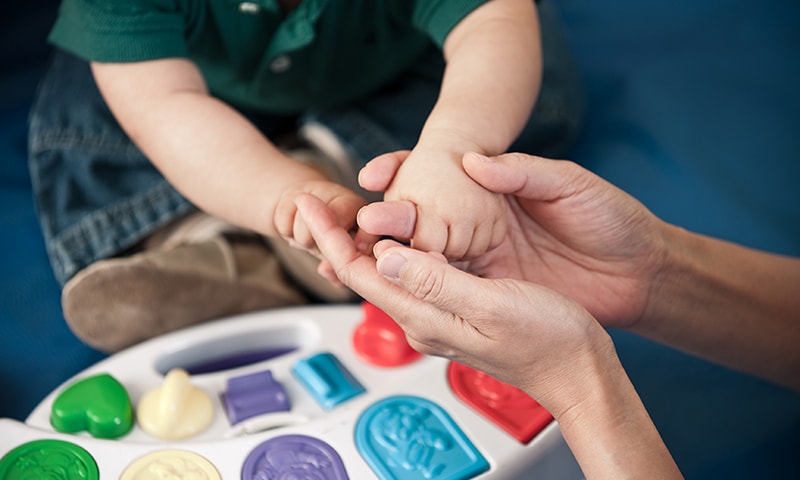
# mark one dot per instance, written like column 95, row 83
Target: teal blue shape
column 327, row 380
column 411, row 438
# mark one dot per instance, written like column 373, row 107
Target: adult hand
column 568, row 229
column 518, row 332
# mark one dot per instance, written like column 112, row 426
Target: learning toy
column 171, row 464
column 177, row 409
column 41, row 459
column 327, row 380
column 291, row 393
column 507, row 406
column 253, row 394
column 98, row 404
column 294, row 456
column 380, row 341
column 408, row 438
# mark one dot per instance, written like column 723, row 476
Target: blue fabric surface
column 694, row 107
column 37, row 350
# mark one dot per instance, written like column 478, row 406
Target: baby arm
column 211, row 153
column 489, row 88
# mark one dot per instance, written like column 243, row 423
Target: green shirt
column 323, row 53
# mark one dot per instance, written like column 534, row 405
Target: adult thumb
column 527, row 176
column 431, row 279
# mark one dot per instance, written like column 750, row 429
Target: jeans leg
column 96, row 193
column 392, row 119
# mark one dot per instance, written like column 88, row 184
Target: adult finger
column 528, row 176
column 359, row 272
column 352, row 267
column 431, row 279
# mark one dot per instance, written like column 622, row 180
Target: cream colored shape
column 171, row 464
column 177, row 409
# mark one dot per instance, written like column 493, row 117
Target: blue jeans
column 97, row 195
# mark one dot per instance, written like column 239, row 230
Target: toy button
column 280, row 64
column 174, row 464
column 254, row 394
column 294, row 456
column 380, row 341
column 327, row 380
column 98, row 404
column 409, row 438
column 249, row 7
column 41, row 458
column 505, row 405
column 177, row 409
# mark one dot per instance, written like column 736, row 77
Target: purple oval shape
column 295, row 457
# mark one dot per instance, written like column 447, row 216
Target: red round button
column 378, row 339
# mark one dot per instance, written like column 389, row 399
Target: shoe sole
column 139, row 301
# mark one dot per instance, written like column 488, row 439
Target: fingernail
column 391, row 264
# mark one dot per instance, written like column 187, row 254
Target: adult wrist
column 607, row 427
column 674, row 257
column 580, row 380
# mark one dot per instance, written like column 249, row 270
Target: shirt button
column 249, row 7
column 280, row 64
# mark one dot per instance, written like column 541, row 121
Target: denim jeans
column 97, row 195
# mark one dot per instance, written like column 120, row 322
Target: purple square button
column 253, row 394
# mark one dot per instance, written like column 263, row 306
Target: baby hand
column 344, row 203
column 453, row 214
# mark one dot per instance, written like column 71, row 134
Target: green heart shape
column 99, row 405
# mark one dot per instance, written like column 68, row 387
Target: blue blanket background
column 694, row 108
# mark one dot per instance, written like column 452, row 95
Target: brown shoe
column 116, row 303
column 302, row 267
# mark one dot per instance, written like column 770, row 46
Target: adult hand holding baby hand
column 566, row 228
